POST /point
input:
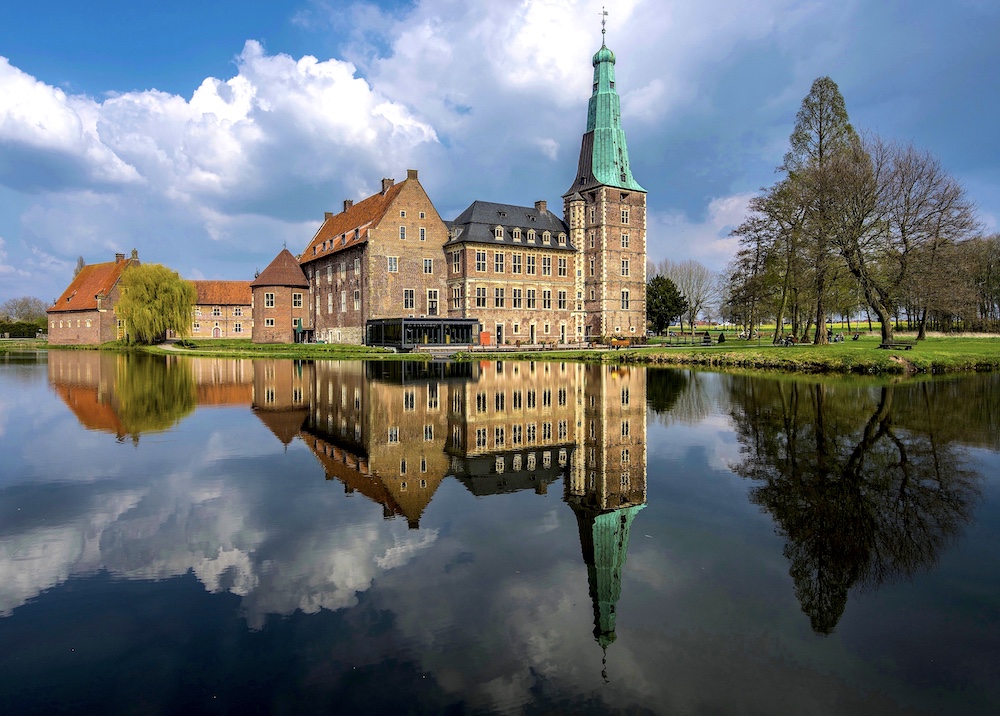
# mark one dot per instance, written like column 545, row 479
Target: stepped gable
column 350, row 227
column 93, row 280
column 283, row 271
column 223, row 293
column 476, row 224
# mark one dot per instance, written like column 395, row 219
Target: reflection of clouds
column 404, row 550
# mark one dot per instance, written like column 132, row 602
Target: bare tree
column 696, row 283
column 25, row 308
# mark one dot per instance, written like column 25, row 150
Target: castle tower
column 605, row 209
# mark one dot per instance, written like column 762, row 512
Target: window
column 498, row 262
column 546, row 238
column 481, row 402
column 624, row 216
column 409, row 400
column 480, row 261
column 329, row 303
column 625, row 396
column 498, row 233
column 593, row 239
column 562, row 267
column 531, row 399
column 562, row 430
column 531, row 298
column 516, row 329
column 531, row 266
column 546, row 398
column 517, row 235
column 546, row 266
column 329, row 273
column 500, row 402
column 532, row 435
column 402, row 213
column 393, row 264
column 343, row 269
column 515, row 263
column 516, row 300
column 432, row 302
column 562, row 301
column 517, row 398
column 456, row 262
column 546, row 435
column 561, row 397
column 591, row 266
column 238, row 311
column 402, row 233
column 626, row 428
column 428, row 265
column 625, row 455
column 296, row 302
column 423, row 233
column 624, row 240
column 624, row 267
column 498, row 436
column 428, row 433
column 593, row 214
column 357, row 267
column 625, row 300
column 531, row 236
column 343, row 301
column 268, row 300
column 456, row 297
column 423, row 215
column 562, row 239
column 269, row 322
column 480, row 297
column 498, row 298
column 216, row 311
column 237, row 327
column 480, row 437
column 516, row 435
column 357, row 300
column 592, row 294
column 546, row 301
column 196, row 328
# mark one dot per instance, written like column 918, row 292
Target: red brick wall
column 282, row 314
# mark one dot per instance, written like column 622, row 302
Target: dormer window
column 517, row 235
column 498, row 233
column 547, row 238
column 562, row 239
column 503, row 214
column 531, row 236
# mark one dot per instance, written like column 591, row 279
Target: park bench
column 898, row 344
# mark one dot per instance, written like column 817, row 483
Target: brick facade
column 84, row 313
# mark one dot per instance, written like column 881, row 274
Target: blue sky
column 209, row 134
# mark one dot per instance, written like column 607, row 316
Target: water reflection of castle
column 394, row 431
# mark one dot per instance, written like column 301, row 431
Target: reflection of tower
column 611, row 489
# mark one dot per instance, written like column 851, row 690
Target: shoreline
column 935, row 355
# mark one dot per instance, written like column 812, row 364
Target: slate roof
column 350, row 227
column 477, row 223
column 283, row 271
column 223, row 293
column 81, row 294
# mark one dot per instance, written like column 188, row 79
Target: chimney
column 386, row 183
column 119, row 258
column 348, row 203
column 411, row 173
column 540, row 206
column 327, row 215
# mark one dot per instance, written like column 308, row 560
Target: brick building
column 223, row 309
column 84, row 313
column 280, row 310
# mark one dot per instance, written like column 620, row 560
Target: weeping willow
column 153, row 300
column 153, row 393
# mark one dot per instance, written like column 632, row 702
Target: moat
column 196, row 535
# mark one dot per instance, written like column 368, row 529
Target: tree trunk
column 922, row 332
column 820, row 339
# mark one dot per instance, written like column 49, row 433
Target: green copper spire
column 603, row 153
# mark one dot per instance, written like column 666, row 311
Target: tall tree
column 664, row 302
column 822, row 131
column 80, row 263
column 153, row 300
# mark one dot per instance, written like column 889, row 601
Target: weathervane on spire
column 604, row 21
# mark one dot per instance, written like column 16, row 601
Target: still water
column 221, row 536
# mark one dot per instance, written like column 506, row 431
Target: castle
column 388, row 270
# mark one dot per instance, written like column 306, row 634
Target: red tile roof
column 283, row 271
column 350, row 227
column 81, row 294
column 223, row 293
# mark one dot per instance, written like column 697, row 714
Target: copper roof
column 81, row 294
column 350, row 227
column 223, row 293
column 283, row 271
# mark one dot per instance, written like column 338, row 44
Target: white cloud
column 674, row 236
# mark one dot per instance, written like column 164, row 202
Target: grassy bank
column 937, row 354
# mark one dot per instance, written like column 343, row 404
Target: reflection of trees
column 677, row 395
column 860, row 498
column 152, row 393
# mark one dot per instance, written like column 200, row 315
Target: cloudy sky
column 208, row 134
